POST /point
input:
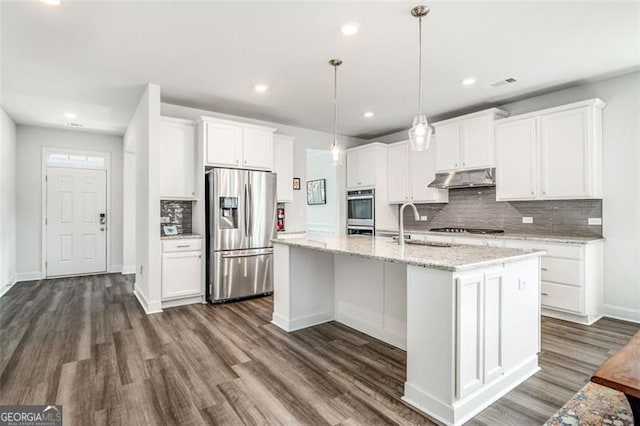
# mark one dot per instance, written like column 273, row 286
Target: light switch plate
column 527, row 219
column 595, row 221
column 423, row 218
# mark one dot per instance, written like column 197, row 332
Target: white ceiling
column 93, row 58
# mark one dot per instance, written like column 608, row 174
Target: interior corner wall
column 143, row 132
column 129, row 212
column 8, row 273
column 30, row 142
column 296, row 212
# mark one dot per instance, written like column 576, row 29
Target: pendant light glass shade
column 337, row 151
column 421, row 132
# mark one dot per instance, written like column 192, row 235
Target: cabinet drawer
column 563, row 271
column 567, row 251
column 169, row 246
column 558, row 296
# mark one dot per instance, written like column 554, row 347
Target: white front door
column 76, row 221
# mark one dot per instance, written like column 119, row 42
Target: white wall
column 143, row 132
column 30, row 141
column 129, row 213
column 621, row 169
column 324, row 218
column 7, row 202
column 305, row 139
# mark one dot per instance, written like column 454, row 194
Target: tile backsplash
column 478, row 208
column 176, row 213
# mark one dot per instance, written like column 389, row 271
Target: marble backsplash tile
column 176, row 213
column 478, row 208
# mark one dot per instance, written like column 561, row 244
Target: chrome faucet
column 416, row 216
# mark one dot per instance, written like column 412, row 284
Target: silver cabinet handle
column 545, row 294
column 543, row 269
column 233, row 256
column 183, row 245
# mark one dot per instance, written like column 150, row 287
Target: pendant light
column 421, row 131
column 337, row 152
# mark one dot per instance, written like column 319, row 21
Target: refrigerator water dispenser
column 228, row 213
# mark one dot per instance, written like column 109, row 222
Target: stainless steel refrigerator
column 241, row 222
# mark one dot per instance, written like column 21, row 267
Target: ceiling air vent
column 504, row 82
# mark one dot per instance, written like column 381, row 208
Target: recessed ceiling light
column 260, row 88
column 71, row 115
column 368, row 114
column 469, row 81
column 51, row 2
column 350, row 28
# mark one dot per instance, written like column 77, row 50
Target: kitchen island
column 468, row 316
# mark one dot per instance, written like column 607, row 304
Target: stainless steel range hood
column 465, row 179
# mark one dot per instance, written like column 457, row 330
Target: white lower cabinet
column 478, row 330
column 181, row 269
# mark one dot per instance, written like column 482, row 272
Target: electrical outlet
column 595, row 221
column 522, row 284
column 423, row 218
column 527, row 219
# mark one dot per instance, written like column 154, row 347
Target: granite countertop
column 458, row 257
column 505, row 236
column 180, row 237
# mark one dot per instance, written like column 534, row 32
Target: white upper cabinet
column 283, row 167
column 446, row 146
column 177, row 158
column 466, row 142
column 237, row 145
column 409, row 173
column 362, row 163
column 398, row 173
column 516, row 159
column 564, row 153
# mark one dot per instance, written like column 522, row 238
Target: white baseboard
column 128, row 269
column 466, row 408
column 565, row 316
column 29, row 276
column 302, row 322
column 149, row 308
column 6, row 288
column 394, row 339
column 113, row 269
column 181, row 302
column 622, row 313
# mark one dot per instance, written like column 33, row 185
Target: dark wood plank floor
column 85, row 343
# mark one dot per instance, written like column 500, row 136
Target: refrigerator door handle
column 246, row 209
column 233, row 256
column 250, row 217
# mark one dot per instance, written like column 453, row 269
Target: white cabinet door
column 361, row 167
column 564, row 154
column 493, row 326
column 476, row 142
column 367, row 167
column 446, row 146
column 398, row 173
column 257, row 149
column 177, row 160
column 181, row 274
column 469, row 334
column 283, row 167
column 516, row 160
column 223, row 144
column 423, row 172
column 353, row 158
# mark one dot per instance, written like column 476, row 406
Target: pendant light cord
column 420, row 66
column 335, row 103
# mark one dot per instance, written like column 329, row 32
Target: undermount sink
column 422, row 242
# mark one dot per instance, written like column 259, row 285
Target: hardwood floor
column 85, row 343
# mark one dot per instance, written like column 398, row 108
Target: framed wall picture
column 296, row 184
column 316, row 192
